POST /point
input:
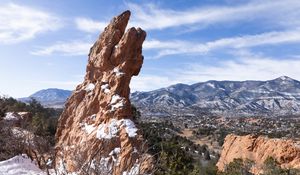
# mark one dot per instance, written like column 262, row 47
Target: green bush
column 175, row 154
column 238, row 167
column 272, row 167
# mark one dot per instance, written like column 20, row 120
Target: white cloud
column 244, row 69
column 64, row 48
column 175, row 47
column 157, row 44
column 150, row 82
column 185, row 47
column 280, row 13
column 152, row 17
column 70, row 85
column 89, row 25
column 61, row 83
column 19, row 23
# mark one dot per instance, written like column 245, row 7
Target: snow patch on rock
column 117, row 105
column 116, row 102
column 105, row 88
column 105, row 165
column 90, row 87
column 130, row 127
column 89, row 128
column 118, row 72
column 115, row 155
column 135, row 170
column 108, row 130
column 115, row 151
column 111, row 129
column 115, row 98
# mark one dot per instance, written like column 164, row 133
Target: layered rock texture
column 258, row 149
column 96, row 133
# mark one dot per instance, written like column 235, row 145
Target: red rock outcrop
column 258, row 149
column 96, row 134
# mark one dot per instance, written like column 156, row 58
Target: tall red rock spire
column 96, row 133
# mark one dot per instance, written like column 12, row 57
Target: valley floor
column 205, row 140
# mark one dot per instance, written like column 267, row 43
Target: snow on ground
column 20, row 165
column 11, row 116
column 24, row 134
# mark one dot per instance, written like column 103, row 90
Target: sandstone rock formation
column 258, row 149
column 96, row 134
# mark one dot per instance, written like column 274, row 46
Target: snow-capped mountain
column 52, row 97
column 280, row 96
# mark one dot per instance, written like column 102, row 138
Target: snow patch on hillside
column 211, row 85
column 20, row 165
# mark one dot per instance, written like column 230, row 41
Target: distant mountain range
column 52, row 98
column 280, row 96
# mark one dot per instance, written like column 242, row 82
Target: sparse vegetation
column 272, row 167
column 175, row 154
column 40, row 121
column 238, row 167
column 161, row 136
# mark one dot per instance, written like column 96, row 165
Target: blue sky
column 44, row 44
